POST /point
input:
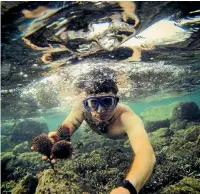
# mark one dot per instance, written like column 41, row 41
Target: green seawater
column 138, row 107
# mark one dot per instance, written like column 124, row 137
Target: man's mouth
column 104, row 117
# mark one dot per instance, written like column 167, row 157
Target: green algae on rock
column 62, row 183
column 21, row 148
column 187, row 185
column 157, row 117
column 160, row 138
column 27, row 129
column 192, row 133
column 158, row 113
column 26, row 186
column 151, row 126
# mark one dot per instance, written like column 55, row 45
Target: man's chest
column 110, row 129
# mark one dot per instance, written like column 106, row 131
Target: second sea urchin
column 62, row 149
column 63, row 133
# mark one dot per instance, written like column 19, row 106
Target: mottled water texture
column 152, row 49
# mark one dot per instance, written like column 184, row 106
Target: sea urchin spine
column 63, row 133
column 42, row 144
column 62, row 149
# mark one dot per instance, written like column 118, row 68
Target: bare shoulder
column 127, row 114
column 122, row 108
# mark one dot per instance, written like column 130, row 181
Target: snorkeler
column 106, row 116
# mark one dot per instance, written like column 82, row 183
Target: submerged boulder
column 160, row 138
column 183, row 114
column 157, row 117
column 14, row 167
column 158, row 113
column 8, row 163
column 178, row 124
column 6, row 143
column 65, row 183
column 151, row 126
column 26, row 186
column 186, row 110
column 21, row 148
column 6, row 128
column 27, row 129
column 186, row 185
column 192, row 133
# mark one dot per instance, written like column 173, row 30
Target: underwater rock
column 192, row 133
column 160, row 138
column 15, row 167
column 158, row 113
column 26, row 186
column 6, row 128
column 5, row 157
column 7, row 186
column 27, row 129
column 8, row 163
column 186, row 185
column 97, row 165
column 184, row 144
column 6, row 143
column 178, row 124
column 176, row 157
column 31, row 159
column 63, row 183
column 151, row 126
column 186, row 110
column 21, row 148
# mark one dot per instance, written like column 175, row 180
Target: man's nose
column 100, row 109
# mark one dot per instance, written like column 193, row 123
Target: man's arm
column 144, row 159
column 73, row 121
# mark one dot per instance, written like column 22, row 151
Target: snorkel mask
column 91, row 104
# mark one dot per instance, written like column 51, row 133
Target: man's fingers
column 53, row 160
column 33, row 148
column 52, row 136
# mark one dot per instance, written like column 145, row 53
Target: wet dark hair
column 99, row 81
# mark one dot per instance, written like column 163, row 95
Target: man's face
column 101, row 106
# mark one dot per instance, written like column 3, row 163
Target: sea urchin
column 62, row 149
column 63, row 133
column 42, row 144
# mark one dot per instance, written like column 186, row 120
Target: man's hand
column 120, row 190
column 53, row 137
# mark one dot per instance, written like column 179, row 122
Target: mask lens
column 108, row 102
column 91, row 104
